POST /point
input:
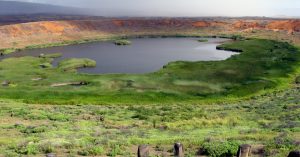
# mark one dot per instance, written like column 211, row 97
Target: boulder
column 143, row 151
column 244, row 150
column 42, row 55
column 178, row 150
column 294, row 154
column 5, row 83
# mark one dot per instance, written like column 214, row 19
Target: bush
column 116, row 150
column 33, row 129
column 46, row 148
column 297, row 81
column 220, row 149
column 36, row 115
column 59, row 117
column 28, row 149
column 92, row 151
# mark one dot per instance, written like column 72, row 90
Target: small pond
column 142, row 56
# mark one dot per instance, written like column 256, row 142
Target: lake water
column 142, row 56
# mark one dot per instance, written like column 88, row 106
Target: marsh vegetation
column 263, row 65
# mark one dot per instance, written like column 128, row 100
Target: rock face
column 44, row 32
column 294, row 154
column 143, row 151
column 286, row 25
column 247, row 25
column 178, row 150
column 244, row 150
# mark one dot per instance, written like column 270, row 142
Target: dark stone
column 294, row 154
column 244, row 150
column 83, row 83
column 178, row 150
column 51, row 155
column 143, row 151
column 100, row 118
column 43, row 66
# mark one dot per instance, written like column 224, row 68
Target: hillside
column 45, row 32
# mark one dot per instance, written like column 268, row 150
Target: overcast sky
column 186, row 7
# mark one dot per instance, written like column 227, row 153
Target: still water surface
column 143, row 56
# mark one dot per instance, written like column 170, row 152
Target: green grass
column 271, row 120
column 75, row 63
column 122, row 42
column 203, row 40
column 214, row 106
column 261, row 67
column 7, row 51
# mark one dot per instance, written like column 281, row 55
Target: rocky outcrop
column 286, row 25
column 244, row 150
column 143, row 151
column 44, row 32
column 247, row 25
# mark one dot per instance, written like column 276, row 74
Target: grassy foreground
column 263, row 65
column 270, row 123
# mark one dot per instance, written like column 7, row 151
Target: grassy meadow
column 262, row 66
column 270, row 123
column 210, row 106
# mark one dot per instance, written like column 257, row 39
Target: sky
column 185, row 7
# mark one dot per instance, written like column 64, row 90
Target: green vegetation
column 262, row 66
column 65, row 43
column 122, row 42
column 7, row 51
column 75, row 63
column 203, row 40
column 212, row 106
column 271, row 120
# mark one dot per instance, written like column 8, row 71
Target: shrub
column 97, row 150
column 33, row 129
column 27, row 149
column 46, row 148
column 91, row 151
column 297, row 81
column 59, row 117
column 36, row 115
column 220, row 149
column 116, row 150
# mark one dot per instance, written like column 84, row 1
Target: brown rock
column 143, row 151
column 294, row 154
column 178, row 150
column 244, row 150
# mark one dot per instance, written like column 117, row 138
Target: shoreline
column 112, row 38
